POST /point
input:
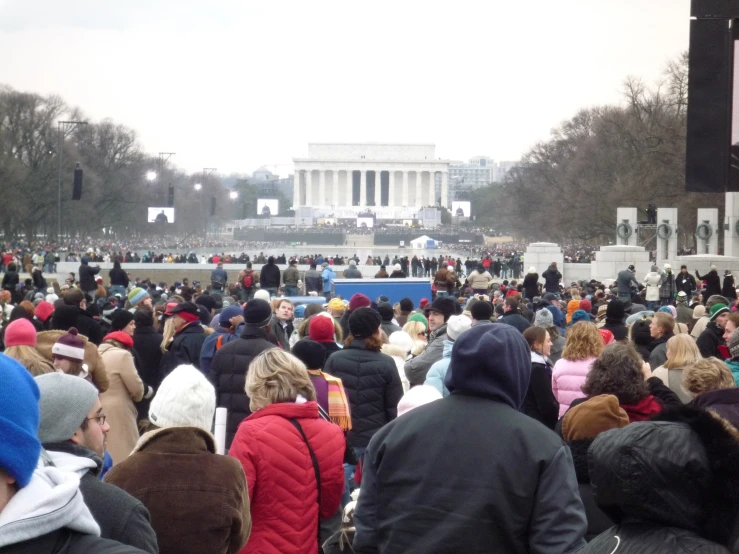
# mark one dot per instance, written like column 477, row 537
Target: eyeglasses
column 99, row 418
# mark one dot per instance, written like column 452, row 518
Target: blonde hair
column 682, row 352
column 706, row 375
column 304, row 328
column 575, row 294
column 414, row 328
column 582, row 341
column 275, row 376
column 665, row 322
column 168, row 332
column 30, row 358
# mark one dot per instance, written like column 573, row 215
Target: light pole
column 206, row 171
column 62, row 126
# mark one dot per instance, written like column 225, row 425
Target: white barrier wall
column 610, row 260
column 540, row 255
column 731, row 236
column 708, row 217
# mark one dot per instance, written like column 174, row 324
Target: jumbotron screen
column 160, row 215
column 461, row 209
column 268, row 206
column 366, row 222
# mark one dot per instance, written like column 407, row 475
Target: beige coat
column 126, row 387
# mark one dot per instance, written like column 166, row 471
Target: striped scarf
column 338, row 404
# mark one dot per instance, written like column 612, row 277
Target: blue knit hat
column 19, row 420
column 579, row 315
column 137, row 295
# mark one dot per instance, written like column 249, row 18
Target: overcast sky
column 237, row 84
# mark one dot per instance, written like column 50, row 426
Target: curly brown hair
column 617, row 371
column 582, row 341
column 373, row 342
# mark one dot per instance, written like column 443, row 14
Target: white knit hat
column 417, row 396
column 457, row 325
column 262, row 294
column 184, row 399
column 402, row 340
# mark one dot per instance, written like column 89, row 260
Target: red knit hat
column 69, row 347
column 359, row 300
column 321, row 328
column 44, row 310
column 20, row 332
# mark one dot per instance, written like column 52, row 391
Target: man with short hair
column 313, row 280
column 290, row 279
column 269, row 276
column 685, row 282
column 511, row 315
column 534, row 504
column 406, row 309
column 72, row 431
column 626, row 284
column 247, row 282
column 437, row 314
column 283, row 323
column 219, row 278
column 481, row 312
column 231, row 363
column 86, row 324
column 661, row 329
column 41, row 509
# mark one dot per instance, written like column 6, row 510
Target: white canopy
column 422, row 242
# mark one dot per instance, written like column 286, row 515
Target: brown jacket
column 198, row 500
column 126, row 387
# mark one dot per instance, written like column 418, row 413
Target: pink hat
column 20, row 332
column 43, row 310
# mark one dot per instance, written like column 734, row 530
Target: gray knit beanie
column 734, row 344
column 544, row 319
column 64, row 403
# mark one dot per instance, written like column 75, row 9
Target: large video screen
column 160, row 215
column 461, row 209
column 268, row 206
column 366, row 222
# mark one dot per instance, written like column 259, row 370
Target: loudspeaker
column 212, row 206
column 77, row 188
column 170, row 196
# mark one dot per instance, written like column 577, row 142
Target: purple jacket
column 725, row 402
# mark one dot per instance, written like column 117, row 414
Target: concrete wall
column 575, row 272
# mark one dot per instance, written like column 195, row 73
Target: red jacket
column 281, row 480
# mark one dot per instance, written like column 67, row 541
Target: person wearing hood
column 580, row 427
column 188, row 339
column 662, row 329
column 552, row 278
column 558, row 317
column 712, row 387
column 713, row 282
column 118, row 279
column 679, row 498
column 397, row 272
column 84, row 322
column 626, row 283
column 87, row 277
column 728, row 290
column 198, row 500
column 653, row 281
column 456, row 325
column 73, row 431
column 269, row 277
column 479, row 280
column 438, row 314
column 712, row 338
column 667, row 288
column 41, row 508
column 531, row 284
column 528, row 510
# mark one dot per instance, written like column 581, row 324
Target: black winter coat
column 713, row 282
column 598, row 521
column 551, row 279
column 184, row 349
column 710, row 339
column 619, row 330
column 87, row 277
column 540, row 402
column 66, row 541
column 282, row 333
column 147, row 350
column 118, row 277
column 372, row 384
column 121, row 517
column 228, row 375
column 685, row 282
column 88, row 326
column 269, row 277
column 729, row 288
column 531, row 285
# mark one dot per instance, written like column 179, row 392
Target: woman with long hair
column 540, row 402
column 682, row 352
column 284, row 440
column 583, row 344
column 20, row 344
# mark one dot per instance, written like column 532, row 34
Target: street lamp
column 198, row 187
column 233, row 195
column 151, row 176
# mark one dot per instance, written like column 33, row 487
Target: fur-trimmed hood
column 680, row 469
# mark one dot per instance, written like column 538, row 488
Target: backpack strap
column 316, row 470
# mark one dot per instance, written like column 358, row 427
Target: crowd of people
column 586, row 417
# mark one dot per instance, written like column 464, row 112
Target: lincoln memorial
column 391, row 180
